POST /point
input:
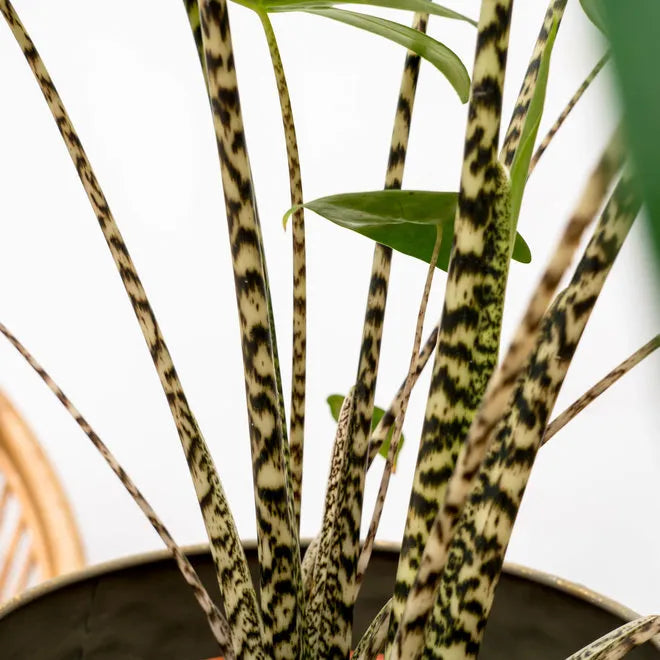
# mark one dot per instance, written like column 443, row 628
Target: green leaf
column 335, row 402
column 419, row 6
column 444, row 59
column 633, row 30
column 405, row 220
column 520, row 165
column 595, row 12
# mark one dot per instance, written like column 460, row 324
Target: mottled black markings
column 469, row 330
column 217, row 622
column 280, row 603
column 517, row 438
column 191, row 439
column 554, row 12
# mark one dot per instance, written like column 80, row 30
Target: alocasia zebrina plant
column 485, row 417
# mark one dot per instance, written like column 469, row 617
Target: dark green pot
column 139, row 608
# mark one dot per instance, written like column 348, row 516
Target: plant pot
column 139, row 608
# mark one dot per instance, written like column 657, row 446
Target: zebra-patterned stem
column 482, row 536
column 318, row 614
column 282, row 414
column 378, row 286
column 468, row 339
column 217, row 621
column 297, row 423
column 403, row 117
column 232, row 570
column 421, row 594
column 492, row 408
column 379, row 434
column 350, row 513
column 348, row 539
column 279, row 552
column 554, row 13
column 566, row 111
column 375, row 637
column 620, row 642
column 368, row 545
column 367, row 548
column 594, row 392
column 192, row 12
column 393, row 179
column 503, row 381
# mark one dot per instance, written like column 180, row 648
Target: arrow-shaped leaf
column 335, row 402
column 444, row 59
column 405, row 220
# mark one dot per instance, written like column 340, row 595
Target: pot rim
column 574, row 589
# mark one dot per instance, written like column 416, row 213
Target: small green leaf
column 405, row 220
column 419, row 6
column 595, row 12
column 444, row 59
column 335, row 402
column 520, row 165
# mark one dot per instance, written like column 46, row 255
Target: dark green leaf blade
column 335, row 402
column 633, row 29
column 520, row 165
column 444, row 59
column 405, row 220
column 419, row 6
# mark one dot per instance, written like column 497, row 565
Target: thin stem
column 238, row 593
column 594, row 392
column 402, row 120
column 216, row 620
column 367, row 548
column 298, row 367
column 194, row 19
column 567, row 111
column 279, row 552
column 348, row 535
column 554, row 13
column 379, row 434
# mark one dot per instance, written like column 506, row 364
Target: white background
column 129, row 76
